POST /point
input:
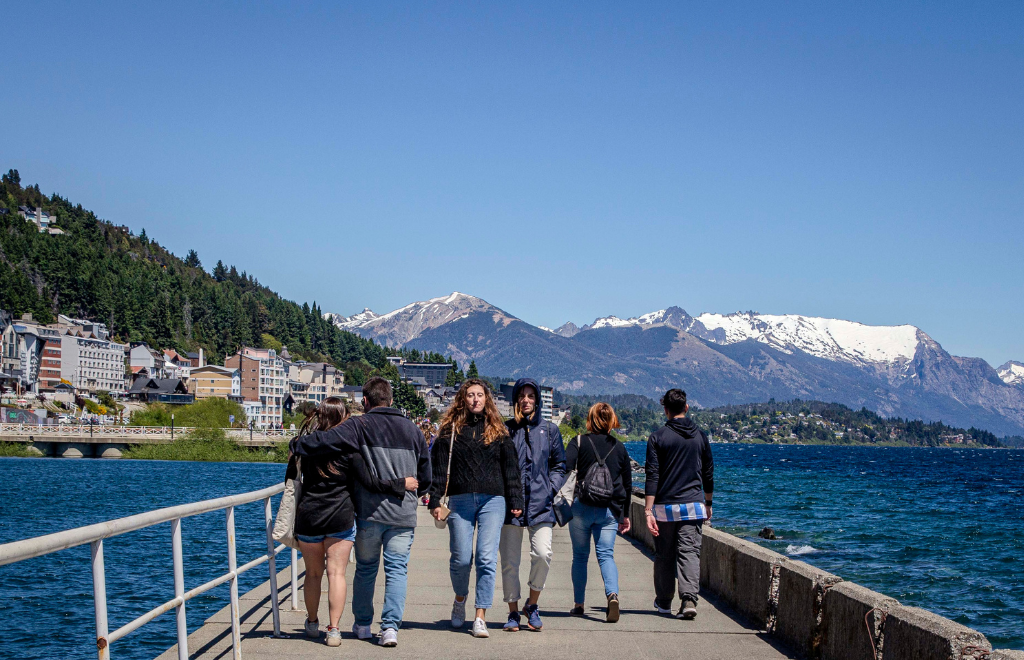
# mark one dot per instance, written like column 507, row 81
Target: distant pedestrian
column 482, row 488
column 601, row 507
column 542, row 464
column 427, row 427
column 325, row 516
column 679, row 488
column 393, row 448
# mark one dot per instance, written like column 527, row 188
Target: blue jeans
column 396, row 542
column 600, row 524
column 487, row 514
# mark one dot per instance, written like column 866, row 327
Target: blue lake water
column 935, row 528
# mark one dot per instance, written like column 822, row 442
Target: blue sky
column 561, row 160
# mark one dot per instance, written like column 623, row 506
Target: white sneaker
column 312, row 629
column 361, row 632
column 459, row 614
column 480, row 628
column 333, row 636
column 389, row 637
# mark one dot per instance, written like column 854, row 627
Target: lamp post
column 172, row 427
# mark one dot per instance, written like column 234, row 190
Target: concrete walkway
column 640, row 633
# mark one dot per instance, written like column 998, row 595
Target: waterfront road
column 640, row 633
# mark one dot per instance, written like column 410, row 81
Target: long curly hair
column 331, row 412
column 456, row 415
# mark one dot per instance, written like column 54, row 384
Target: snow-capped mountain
column 1012, row 373
column 354, row 321
column 398, row 327
column 718, row 358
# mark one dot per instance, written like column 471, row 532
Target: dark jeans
column 677, row 559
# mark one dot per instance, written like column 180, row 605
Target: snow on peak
column 1012, row 373
column 353, row 321
column 545, row 328
column 832, row 339
column 650, row 318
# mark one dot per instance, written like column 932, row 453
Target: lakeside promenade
column 717, row 633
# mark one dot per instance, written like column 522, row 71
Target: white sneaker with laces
column 389, row 637
column 459, row 614
column 480, row 628
column 361, row 632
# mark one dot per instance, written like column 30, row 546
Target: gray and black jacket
column 392, row 447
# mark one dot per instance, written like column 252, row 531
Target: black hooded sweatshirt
column 679, row 464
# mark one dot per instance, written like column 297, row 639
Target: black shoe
column 613, row 608
column 577, row 611
column 688, row 611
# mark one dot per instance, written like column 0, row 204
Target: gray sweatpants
column 677, row 559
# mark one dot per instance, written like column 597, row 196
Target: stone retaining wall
column 817, row 614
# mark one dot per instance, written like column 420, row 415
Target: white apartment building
column 93, row 364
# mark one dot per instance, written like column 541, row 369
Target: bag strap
column 448, row 474
column 600, row 461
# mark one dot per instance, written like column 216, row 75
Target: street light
column 172, row 427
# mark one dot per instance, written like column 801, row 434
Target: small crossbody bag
column 441, row 521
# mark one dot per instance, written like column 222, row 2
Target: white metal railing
column 95, row 534
column 128, row 432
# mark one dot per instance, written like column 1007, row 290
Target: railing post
column 179, row 588
column 295, row 579
column 269, row 513
column 236, row 634
column 99, row 597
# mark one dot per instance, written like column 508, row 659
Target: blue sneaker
column 512, row 625
column 532, row 613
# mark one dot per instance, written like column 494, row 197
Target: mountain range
column 717, row 358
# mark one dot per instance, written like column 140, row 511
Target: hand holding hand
column 411, row 483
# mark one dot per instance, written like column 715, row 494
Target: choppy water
column 936, row 528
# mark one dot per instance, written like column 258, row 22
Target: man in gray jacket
column 393, row 447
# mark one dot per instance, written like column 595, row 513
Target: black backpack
column 598, row 487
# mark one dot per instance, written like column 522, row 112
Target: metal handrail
column 113, row 430
column 95, row 534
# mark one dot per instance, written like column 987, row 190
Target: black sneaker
column 613, row 608
column 688, row 610
column 577, row 611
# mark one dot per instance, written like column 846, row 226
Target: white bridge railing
column 95, row 534
column 128, row 432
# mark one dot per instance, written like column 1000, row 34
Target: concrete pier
column 717, row 633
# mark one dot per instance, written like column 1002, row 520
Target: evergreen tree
column 192, row 260
column 472, row 372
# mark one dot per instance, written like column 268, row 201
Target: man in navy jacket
column 678, row 493
column 542, row 462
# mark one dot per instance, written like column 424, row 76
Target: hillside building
column 262, row 381
column 215, row 382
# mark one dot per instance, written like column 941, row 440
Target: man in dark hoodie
column 680, row 483
column 542, row 463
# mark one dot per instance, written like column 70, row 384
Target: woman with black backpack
column 604, row 484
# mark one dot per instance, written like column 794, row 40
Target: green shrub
column 208, row 413
column 208, row 444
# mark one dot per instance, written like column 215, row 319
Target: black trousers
column 677, row 561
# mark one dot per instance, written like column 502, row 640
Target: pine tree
column 192, row 260
column 472, row 372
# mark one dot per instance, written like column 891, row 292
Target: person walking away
column 324, row 518
column 392, row 447
column 482, row 488
column 678, row 494
column 542, row 466
column 428, row 436
column 601, row 507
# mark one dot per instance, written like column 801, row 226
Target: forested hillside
column 101, row 271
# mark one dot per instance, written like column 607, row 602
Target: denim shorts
column 348, row 535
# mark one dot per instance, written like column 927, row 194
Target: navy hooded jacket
column 541, row 461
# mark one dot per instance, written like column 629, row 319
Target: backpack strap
column 600, row 461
